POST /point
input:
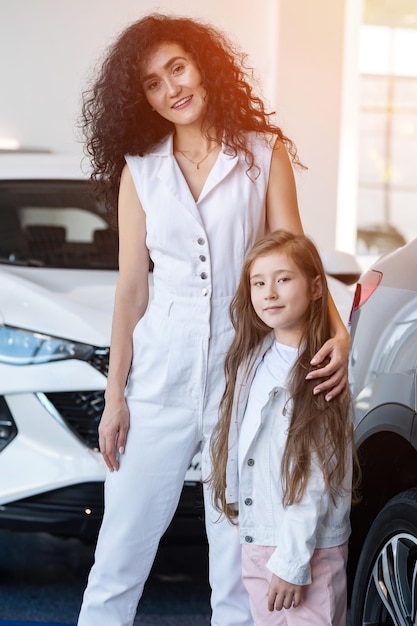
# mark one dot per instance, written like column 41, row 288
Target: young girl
column 281, row 455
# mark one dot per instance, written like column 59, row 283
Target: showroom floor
column 42, row 579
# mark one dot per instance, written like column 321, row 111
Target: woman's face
column 172, row 85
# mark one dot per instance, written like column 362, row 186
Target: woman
column 201, row 173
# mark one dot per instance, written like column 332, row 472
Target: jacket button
column 248, row 539
column 251, row 462
column 201, row 241
column 203, row 275
column 202, row 257
column 248, row 501
column 204, row 292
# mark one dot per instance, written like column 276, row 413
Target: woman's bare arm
column 282, row 212
column 131, row 301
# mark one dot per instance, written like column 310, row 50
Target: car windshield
column 55, row 224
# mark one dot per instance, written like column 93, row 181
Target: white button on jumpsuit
column 176, row 379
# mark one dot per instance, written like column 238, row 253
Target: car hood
column 73, row 304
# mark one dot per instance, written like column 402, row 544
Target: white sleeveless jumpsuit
column 176, row 379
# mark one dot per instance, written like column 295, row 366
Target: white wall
column 49, row 48
column 312, row 70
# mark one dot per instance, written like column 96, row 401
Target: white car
column 58, row 269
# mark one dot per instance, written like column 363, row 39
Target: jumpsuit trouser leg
column 139, row 508
column 141, row 498
column 229, row 598
column 140, row 501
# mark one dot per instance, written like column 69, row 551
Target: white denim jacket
column 318, row 521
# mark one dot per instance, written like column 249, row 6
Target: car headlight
column 25, row 347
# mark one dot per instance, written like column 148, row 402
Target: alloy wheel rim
column 391, row 595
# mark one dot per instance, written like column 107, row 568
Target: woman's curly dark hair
column 117, row 119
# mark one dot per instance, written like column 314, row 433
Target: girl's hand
column 112, row 431
column 336, row 371
column 283, row 595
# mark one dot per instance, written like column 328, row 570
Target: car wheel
column 385, row 587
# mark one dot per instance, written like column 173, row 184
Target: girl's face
column 281, row 295
column 172, row 85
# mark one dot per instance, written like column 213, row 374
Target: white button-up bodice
column 198, row 247
column 198, row 250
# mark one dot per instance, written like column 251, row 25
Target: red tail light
column 364, row 289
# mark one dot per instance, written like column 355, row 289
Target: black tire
column 385, row 587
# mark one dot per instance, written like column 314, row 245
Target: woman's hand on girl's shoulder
column 112, row 431
column 336, row 350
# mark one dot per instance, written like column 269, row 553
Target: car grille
column 100, row 360
column 81, row 410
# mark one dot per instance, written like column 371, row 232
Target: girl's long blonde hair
column 317, row 427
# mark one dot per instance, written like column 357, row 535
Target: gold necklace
column 197, row 163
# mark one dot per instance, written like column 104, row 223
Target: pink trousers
column 323, row 602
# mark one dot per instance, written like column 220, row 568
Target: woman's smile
column 181, row 102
